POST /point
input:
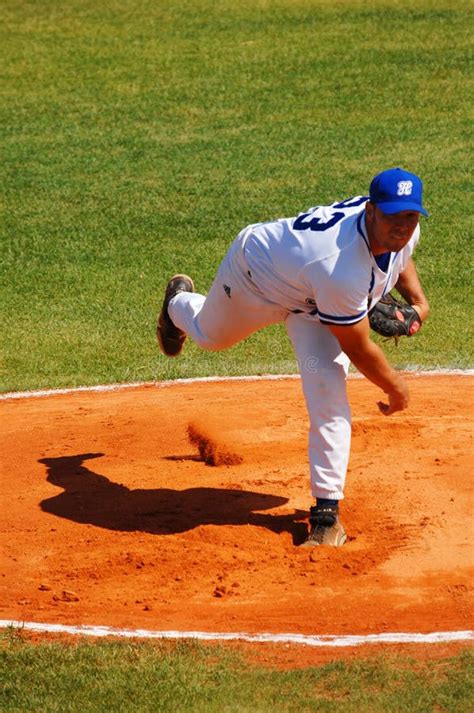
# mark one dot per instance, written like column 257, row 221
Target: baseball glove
column 392, row 318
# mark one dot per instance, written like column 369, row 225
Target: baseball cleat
column 170, row 338
column 325, row 528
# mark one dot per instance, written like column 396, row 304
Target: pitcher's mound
column 106, row 498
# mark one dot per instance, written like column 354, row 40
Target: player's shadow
column 91, row 498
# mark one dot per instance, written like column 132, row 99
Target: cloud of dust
column 212, row 451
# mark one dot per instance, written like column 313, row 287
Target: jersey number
column 316, row 223
column 319, row 224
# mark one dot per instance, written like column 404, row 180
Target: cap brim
column 399, row 206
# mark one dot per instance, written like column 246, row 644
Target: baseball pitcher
column 327, row 274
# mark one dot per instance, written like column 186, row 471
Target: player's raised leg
column 233, row 309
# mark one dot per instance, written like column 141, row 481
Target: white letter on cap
column 404, row 188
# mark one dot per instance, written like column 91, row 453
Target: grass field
column 190, row 677
column 139, row 138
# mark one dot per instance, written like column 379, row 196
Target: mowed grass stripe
column 139, row 138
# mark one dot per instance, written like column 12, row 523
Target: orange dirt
column 111, row 516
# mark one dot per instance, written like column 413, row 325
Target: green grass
column 140, row 137
column 186, row 676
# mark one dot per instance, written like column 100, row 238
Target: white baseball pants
column 229, row 315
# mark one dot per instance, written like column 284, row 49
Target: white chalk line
column 202, row 379
column 140, row 384
column 437, row 637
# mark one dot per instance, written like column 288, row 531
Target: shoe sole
column 161, row 323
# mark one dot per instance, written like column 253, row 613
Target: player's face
column 389, row 233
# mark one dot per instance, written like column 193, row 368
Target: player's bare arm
column 370, row 360
column 410, row 288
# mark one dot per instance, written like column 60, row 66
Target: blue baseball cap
column 395, row 190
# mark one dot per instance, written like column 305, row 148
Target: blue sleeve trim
column 332, row 318
column 340, row 324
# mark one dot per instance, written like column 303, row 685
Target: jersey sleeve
column 341, row 297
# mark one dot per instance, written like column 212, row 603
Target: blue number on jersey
column 316, row 223
column 319, row 224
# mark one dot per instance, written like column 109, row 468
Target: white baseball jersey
column 320, row 263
